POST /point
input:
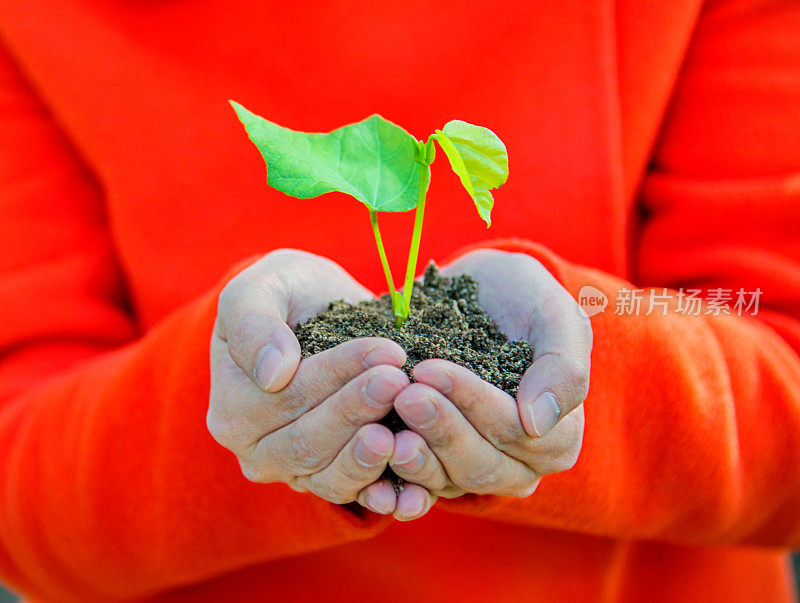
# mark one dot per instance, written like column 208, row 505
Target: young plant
column 382, row 166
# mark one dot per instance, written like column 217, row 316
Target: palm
column 509, row 296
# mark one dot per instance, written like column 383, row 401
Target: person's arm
column 692, row 422
column 690, row 429
column 111, row 484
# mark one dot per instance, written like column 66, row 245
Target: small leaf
column 371, row 160
column 479, row 159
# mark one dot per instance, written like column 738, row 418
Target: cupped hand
column 468, row 436
column 311, row 424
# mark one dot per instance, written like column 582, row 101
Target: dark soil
column 445, row 322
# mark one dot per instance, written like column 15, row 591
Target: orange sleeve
column 693, row 422
column 111, row 485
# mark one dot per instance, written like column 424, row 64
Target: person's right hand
column 310, row 424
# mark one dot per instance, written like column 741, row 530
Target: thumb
column 258, row 306
column 251, row 320
column 266, row 349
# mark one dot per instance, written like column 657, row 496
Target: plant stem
column 413, row 252
column 424, row 155
column 397, row 303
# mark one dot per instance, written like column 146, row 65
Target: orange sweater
column 657, row 142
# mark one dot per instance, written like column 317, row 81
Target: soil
column 445, row 322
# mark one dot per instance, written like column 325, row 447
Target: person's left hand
column 467, row 435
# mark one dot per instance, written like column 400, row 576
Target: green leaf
column 372, row 160
column 479, row 159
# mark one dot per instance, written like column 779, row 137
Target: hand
column 310, row 424
column 467, row 435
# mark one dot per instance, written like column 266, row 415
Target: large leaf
column 480, row 160
column 372, row 160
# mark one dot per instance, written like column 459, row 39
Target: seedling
column 382, row 166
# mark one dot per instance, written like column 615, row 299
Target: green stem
column 413, row 252
column 424, row 155
column 397, row 304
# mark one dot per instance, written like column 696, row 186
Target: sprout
column 382, row 166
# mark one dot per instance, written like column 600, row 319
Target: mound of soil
column 445, row 322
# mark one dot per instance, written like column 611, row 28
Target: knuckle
column 351, row 408
column 221, row 429
column 355, row 474
column 506, row 436
column 350, row 415
column 232, row 430
column 254, row 473
column 449, row 491
column 524, row 489
column 574, row 381
column 435, row 480
column 471, row 400
column 241, row 330
column 325, row 490
column 483, row 480
column 566, row 461
column 330, row 367
column 445, row 434
column 296, row 485
column 289, row 405
column 227, row 297
column 303, row 452
column 238, row 297
column 347, row 365
column 440, row 438
column 557, row 463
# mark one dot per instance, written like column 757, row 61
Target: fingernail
column 411, row 465
column 369, row 457
column 381, row 356
column 379, row 392
column 415, row 510
column 420, row 413
column 384, row 507
column 268, row 363
column 544, row 413
column 441, row 381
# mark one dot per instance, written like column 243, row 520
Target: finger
column 552, row 387
column 561, row 335
column 494, row 415
column 266, row 349
column 414, row 461
column 361, row 462
column 379, row 497
column 472, row 463
column 413, row 502
column 237, row 410
column 323, row 374
column 258, row 307
column 558, row 380
column 491, row 411
column 251, row 318
column 311, row 443
column 240, row 413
